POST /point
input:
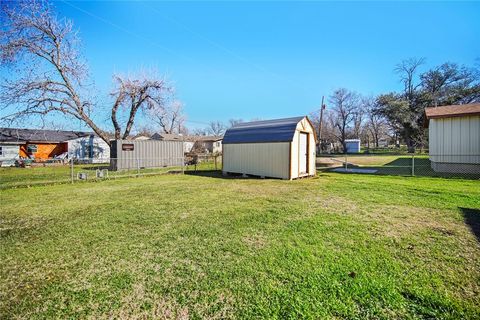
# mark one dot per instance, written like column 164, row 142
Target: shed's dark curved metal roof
column 278, row 130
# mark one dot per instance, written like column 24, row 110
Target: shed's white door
column 303, row 150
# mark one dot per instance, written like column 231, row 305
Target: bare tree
column 47, row 75
column 358, row 121
column 376, row 124
column 145, row 130
column 404, row 110
column 216, row 128
column 407, row 71
column 234, row 122
column 169, row 117
column 328, row 135
column 344, row 107
column 200, row 132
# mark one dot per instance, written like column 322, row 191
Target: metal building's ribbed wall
column 146, row 154
column 455, row 140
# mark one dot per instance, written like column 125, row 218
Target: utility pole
column 322, row 107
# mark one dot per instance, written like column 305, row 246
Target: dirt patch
column 141, row 305
column 398, row 221
column 255, row 241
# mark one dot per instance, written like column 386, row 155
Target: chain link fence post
column 72, row 174
column 346, row 163
column 183, row 163
column 138, row 167
column 413, row 164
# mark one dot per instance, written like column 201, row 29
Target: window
column 31, row 148
column 1, row 151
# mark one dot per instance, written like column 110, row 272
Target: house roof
column 12, row 135
column 278, row 130
column 461, row 110
column 176, row 137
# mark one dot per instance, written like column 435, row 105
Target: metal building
column 282, row 148
column 454, row 138
column 352, row 145
column 131, row 154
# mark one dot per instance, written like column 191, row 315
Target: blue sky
column 270, row 59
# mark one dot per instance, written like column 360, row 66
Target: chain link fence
column 446, row 166
column 24, row 173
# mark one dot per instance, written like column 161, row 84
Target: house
column 197, row 144
column 454, row 138
column 141, row 137
column 282, row 148
column 383, row 142
column 42, row 145
column 209, row 144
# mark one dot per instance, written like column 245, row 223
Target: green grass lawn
column 199, row 246
column 385, row 164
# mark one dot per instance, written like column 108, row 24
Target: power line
column 225, row 49
column 135, row 35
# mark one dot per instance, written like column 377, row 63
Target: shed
column 352, row 145
column 281, row 148
column 454, row 138
column 139, row 154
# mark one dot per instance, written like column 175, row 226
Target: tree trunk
column 410, row 144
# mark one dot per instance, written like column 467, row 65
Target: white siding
column 261, row 159
column 455, row 140
column 9, row 154
column 217, row 146
column 188, row 146
column 78, row 149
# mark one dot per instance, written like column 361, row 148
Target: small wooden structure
column 281, row 148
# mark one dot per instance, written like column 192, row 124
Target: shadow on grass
column 218, row 174
column 95, row 167
column 472, row 219
column 209, row 173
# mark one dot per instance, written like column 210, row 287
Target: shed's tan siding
column 303, row 126
column 262, row 159
column 455, row 140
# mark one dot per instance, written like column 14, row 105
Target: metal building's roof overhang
column 453, row 111
column 278, row 130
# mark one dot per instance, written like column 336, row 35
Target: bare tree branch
column 168, row 115
column 46, row 73
column 216, row 128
